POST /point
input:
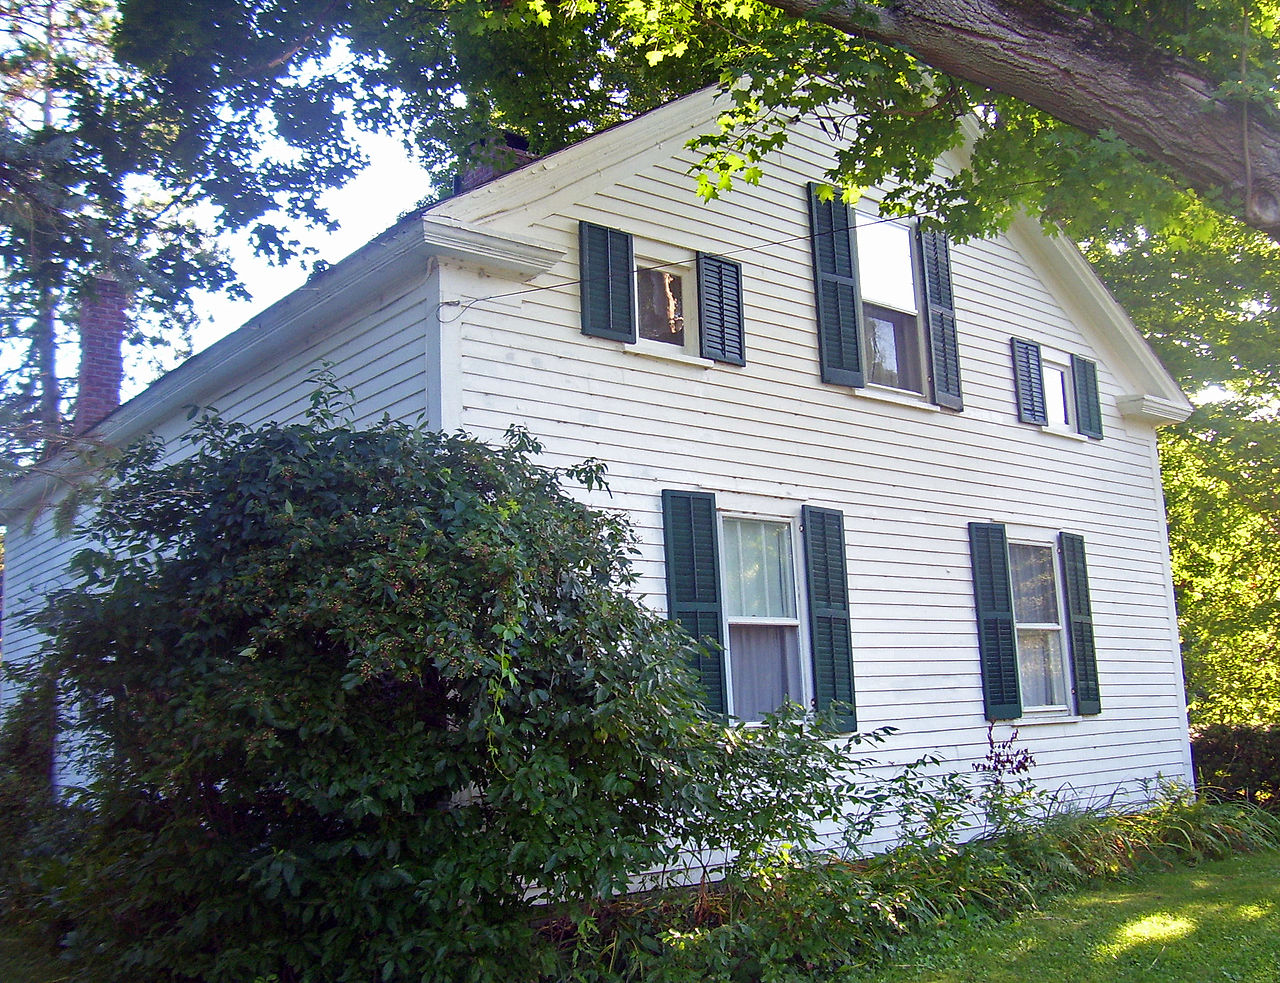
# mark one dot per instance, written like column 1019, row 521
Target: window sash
column 660, row 305
column 764, row 668
column 1037, row 610
column 1042, row 667
column 1057, row 398
column 887, row 264
column 759, row 569
column 895, row 356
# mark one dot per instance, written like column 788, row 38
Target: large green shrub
column 26, row 767
column 351, row 697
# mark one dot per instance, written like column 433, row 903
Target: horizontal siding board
column 908, row 479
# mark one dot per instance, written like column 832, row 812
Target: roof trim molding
column 502, row 253
column 403, row 251
column 1153, row 409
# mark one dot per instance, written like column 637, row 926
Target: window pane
column 1055, row 396
column 759, row 578
column 764, row 668
column 661, row 302
column 1041, row 667
column 886, row 272
column 892, row 343
column 1035, row 596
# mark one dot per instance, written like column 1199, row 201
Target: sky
column 389, row 186
column 370, row 203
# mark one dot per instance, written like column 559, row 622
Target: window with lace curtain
column 762, row 616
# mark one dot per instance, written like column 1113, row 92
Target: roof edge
column 1084, row 289
column 395, row 255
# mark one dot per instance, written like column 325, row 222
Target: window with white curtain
column 1042, row 663
column 764, row 666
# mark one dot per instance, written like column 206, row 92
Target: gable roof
column 602, row 160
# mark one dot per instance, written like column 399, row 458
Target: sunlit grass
column 1160, row 927
column 1219, row 922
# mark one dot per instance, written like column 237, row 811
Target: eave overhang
column 402, row 252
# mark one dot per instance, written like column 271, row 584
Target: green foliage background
column 1209, row 306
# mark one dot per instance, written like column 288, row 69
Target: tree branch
column 286, row 56
column 1087, row 73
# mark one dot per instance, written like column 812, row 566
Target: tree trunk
column 44, row 346
column 1091, row 75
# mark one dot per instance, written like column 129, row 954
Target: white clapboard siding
column 378, row 353
column 770, row 436
column 909, row 478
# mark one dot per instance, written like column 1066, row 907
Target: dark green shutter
column 693, row 583
column 997, row 637
column 835, row 282
column 720, row 310
column 1084, row 380
column 940, row 320
column 1084, row 658
column 606, row 263
column 829, row 633
column 1028, row 382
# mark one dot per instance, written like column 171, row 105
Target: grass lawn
column 1216, row 922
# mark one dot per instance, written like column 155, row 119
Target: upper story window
column 660, row 305
column 1059, row 414
column 884, row 304
column 666, row 296
column 891, row 332
column 1055, row 390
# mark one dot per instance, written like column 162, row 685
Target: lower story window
column 760, row 609
column 1042, row 665
column 736, row 583
column 1035, row 624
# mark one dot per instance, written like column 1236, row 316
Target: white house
column 915, row 477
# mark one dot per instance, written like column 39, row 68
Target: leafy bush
column 352, row 697
column 1239, row 761
column 26, row 765
column 809, row 917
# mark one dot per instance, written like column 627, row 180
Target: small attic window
column 670, row 300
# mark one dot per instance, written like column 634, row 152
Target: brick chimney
column 486, row 159
column 103, row 321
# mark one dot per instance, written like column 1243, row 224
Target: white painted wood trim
column 1153, row 409
column 444, row 358
column 500, row 253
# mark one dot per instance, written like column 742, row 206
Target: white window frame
column 867, row 298
column 1059, row 363
column 800, row 622
column 1043, row 540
